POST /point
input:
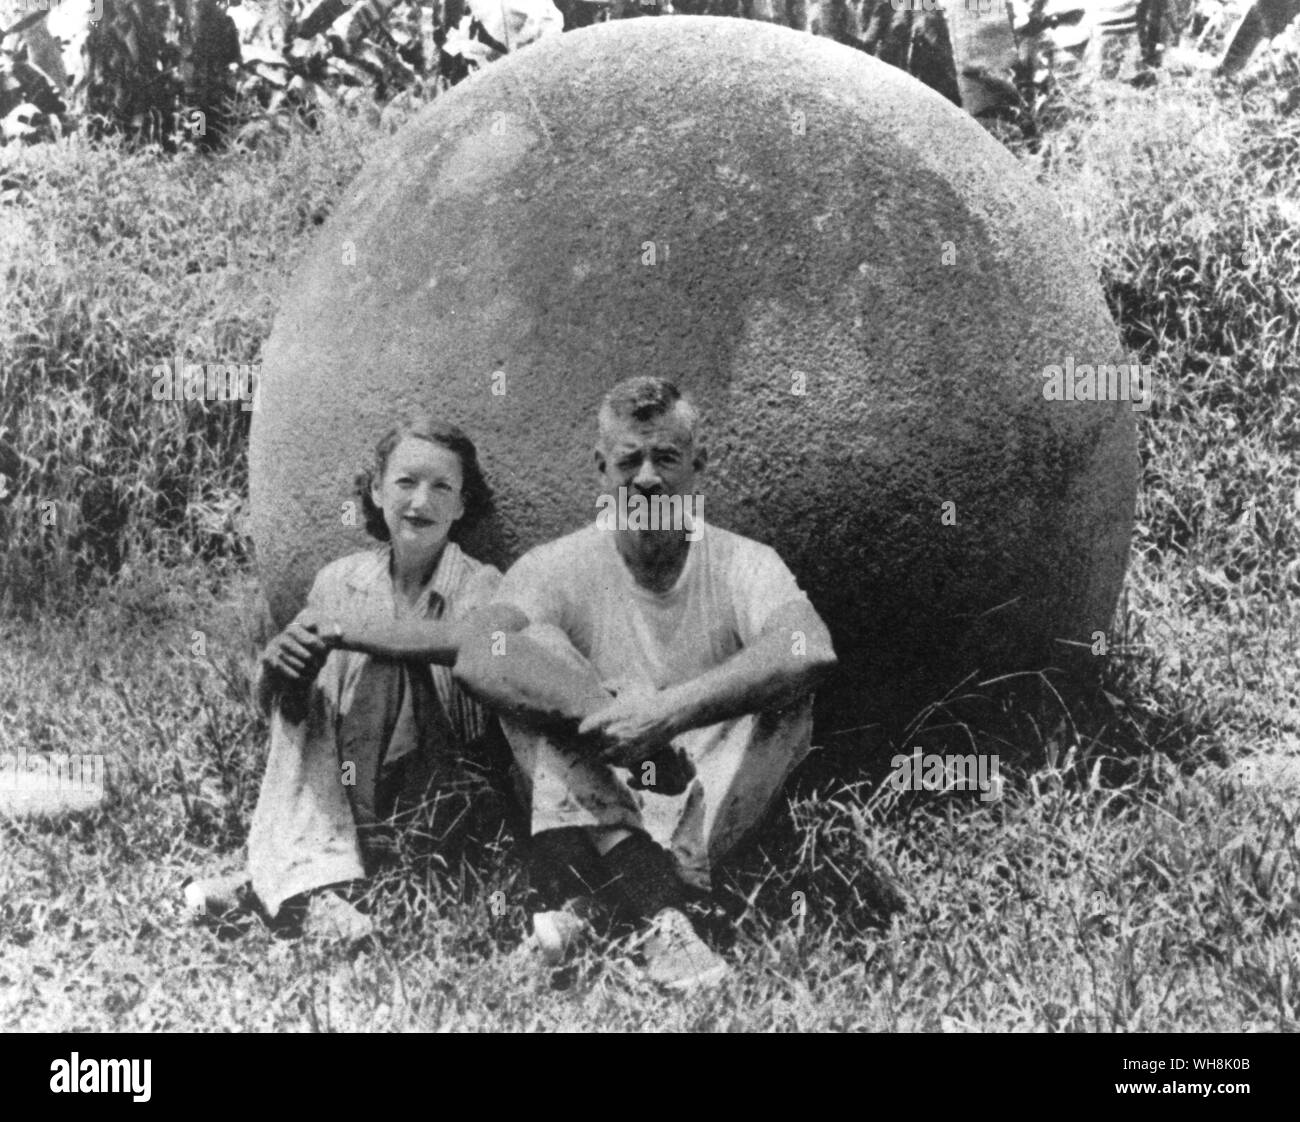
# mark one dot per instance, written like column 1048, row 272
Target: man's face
column 654, row 457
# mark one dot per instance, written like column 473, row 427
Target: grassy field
column 1141, row 872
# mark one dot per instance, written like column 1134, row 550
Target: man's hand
column 632, row 727
column 299, row 651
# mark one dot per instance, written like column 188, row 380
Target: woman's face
column 420, row 495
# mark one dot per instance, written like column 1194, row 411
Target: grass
column 115, row 261
column 1141, row 872
column 1165, row 902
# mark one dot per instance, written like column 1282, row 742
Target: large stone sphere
column 860, row 288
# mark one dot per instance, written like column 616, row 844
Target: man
column 644, row 641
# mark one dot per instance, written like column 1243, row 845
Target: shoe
column 217, row 897
column 558, row 934
column 332, row 918
column 677, row 958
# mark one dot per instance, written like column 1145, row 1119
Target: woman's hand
column 299, row 651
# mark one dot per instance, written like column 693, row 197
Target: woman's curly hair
column 475, row 492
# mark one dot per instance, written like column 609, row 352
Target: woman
column 367, row 725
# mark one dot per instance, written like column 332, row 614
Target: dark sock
column 645, row 874
column 563, row 864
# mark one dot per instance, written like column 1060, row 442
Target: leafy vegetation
column 174, row 73
column 117, row 260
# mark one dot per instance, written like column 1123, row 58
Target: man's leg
column 644, row 875
column 741, row 768
column 564, row 865
column 566, row 786
column 587, row 828
column 582, row 814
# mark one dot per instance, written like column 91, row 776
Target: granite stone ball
column 861, row 289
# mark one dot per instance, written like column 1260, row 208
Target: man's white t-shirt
column 727, row 590
column 580, row 588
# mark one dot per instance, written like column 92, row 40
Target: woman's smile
column 420, row 495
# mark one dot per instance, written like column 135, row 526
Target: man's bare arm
column 784, row 663
column 787, row 661
column 516, row 676
column 422, row 640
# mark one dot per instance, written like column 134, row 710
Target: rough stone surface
column 821, row 222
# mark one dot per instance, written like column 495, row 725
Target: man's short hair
column 645, row 398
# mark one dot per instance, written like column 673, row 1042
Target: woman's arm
column 296, row 655
column 293, row 658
